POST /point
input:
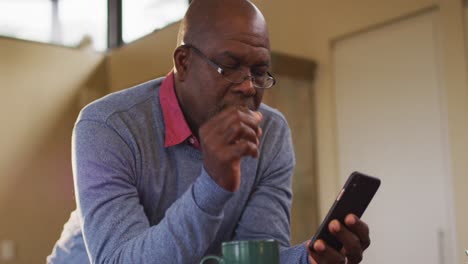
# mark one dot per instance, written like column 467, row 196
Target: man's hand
column 225, row 139
column 354, row 237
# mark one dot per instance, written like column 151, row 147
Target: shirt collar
column 177, row 129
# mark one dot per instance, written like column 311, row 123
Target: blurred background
column 378, row 86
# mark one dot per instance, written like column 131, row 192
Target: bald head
column 206, row 20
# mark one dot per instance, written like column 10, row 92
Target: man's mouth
column 248, row 103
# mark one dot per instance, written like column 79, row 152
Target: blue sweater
column 140, row 202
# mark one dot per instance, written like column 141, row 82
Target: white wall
column 392, row 123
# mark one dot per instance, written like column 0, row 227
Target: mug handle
column 220, row 260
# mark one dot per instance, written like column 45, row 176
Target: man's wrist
column 208, row 195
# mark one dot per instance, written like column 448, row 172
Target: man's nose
column 247, row 87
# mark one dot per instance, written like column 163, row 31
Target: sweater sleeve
column 267, row 214
column 114, row 225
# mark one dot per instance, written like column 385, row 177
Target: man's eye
column 259, row 73
column 230, row 66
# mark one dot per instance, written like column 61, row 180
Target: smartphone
column 354, row 198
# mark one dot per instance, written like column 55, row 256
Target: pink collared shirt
column 177, row 129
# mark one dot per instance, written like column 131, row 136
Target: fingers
column 354, row 237
column 242, row 126
column 225, row 139
column 324, row 254
column 359, row 228
column 242, row 148
column 231, row 128
column 239, row 122
column 243, row 132
column 351, row 243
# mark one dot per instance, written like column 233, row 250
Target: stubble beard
column 243, row 104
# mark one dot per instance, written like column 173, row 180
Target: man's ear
column 182, row 62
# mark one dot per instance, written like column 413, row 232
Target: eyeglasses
column 236, row 76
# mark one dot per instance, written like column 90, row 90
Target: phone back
column 354, row 198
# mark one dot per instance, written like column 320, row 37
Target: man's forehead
column 249, row 31
column 247, row 42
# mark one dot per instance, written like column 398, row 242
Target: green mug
column 248, row 252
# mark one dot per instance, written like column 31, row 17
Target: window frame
column 115, row 24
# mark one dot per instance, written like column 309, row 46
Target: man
column 166, row 171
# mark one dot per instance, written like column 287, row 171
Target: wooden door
column 292, row 95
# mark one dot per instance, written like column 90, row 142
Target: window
column 63, row 22
column 143, row 17
column 83, row 20
column 26, row 19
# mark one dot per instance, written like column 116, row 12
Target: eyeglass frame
column 222, row 71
